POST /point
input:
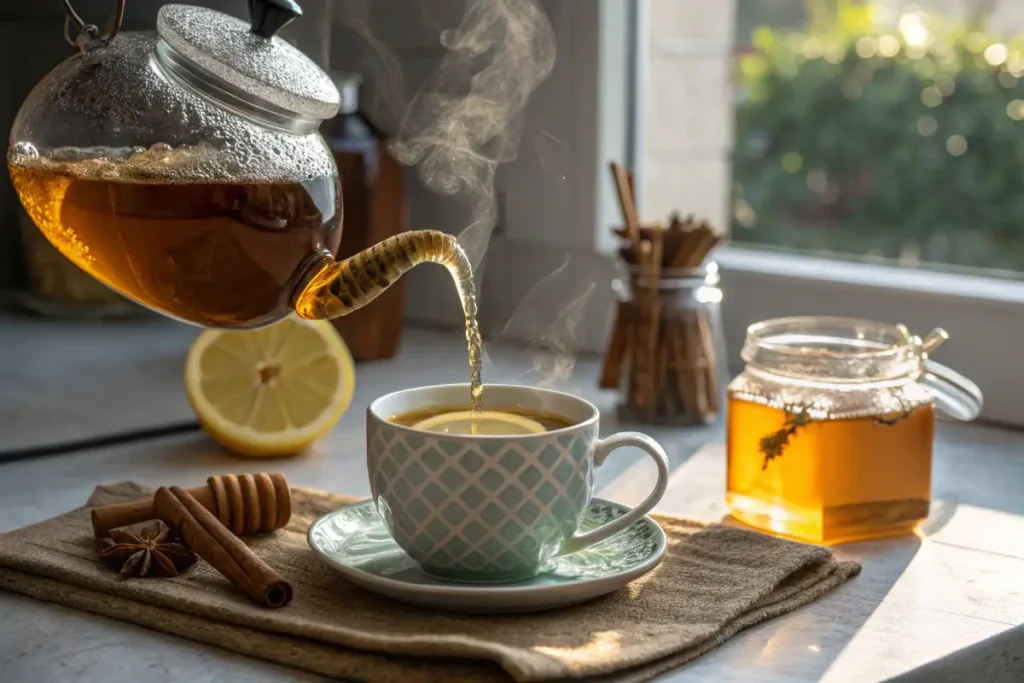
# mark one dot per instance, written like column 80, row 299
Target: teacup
column 493, row 509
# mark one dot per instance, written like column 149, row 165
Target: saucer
column 354, row 541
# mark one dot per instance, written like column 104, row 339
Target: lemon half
column 271, row 391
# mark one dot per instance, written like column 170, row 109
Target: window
column 867, row 159
column 881, row 131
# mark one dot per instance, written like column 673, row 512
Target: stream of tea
column 340, row 287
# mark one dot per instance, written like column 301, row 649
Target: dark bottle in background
column 373, row 198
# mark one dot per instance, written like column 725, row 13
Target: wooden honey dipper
column 244, row 503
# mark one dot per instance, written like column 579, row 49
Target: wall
column 689, row 109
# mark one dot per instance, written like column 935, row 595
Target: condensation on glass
column 831, row 426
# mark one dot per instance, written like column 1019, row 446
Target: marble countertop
column 945, row 605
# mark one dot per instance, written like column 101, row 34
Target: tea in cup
column 490, row 498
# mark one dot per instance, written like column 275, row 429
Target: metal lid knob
column 268, row 17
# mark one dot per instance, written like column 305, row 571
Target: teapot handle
column 268, row 17
column 954, row 394
column 89, row 36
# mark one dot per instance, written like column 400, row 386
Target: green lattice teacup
column 493, row 509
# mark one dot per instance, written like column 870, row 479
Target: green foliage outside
column 859, row 139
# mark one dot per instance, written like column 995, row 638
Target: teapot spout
column 337, row 288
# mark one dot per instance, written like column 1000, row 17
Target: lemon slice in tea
column 484, row 423
column 270, row 391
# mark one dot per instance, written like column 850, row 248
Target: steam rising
column 467, row 117
column 551, row 325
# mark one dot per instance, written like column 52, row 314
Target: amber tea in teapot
column 214, row 252
column 184, row 168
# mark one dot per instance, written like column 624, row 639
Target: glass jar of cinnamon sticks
column 669, row 363
column 666, row 351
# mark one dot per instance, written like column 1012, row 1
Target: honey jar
column 830, row 427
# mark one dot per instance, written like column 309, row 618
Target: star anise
column 151, row 552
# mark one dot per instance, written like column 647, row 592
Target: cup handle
column 579, row 541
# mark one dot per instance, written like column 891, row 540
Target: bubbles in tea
column 158, row 226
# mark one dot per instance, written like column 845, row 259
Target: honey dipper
column 245, row 503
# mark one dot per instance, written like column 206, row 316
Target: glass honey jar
column 830, row 427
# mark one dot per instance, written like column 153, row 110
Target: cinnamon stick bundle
column 672, row 376
column 661, row 344
column 224, row 551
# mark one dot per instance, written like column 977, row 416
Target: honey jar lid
column 246, row 63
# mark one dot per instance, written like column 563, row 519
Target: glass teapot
column 183, row 167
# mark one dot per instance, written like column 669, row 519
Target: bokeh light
column 792, row 162
column 996, row 54
column 915, row 33
column 866, row 47
column 1015, row 110
column 931, row 96
column 956, row 145
column 888, row 46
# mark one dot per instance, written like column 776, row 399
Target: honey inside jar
column 831, row 424
column 834, row 480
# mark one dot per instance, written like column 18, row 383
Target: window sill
column 926, row 283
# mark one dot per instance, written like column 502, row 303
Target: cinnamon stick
column 611, row 370
column 125, row 514
column 711, row 371
column 634, row 389
column 682, row 362
column 652, row 333
column 675, row 222
column 705, row 241
column 626, row 202
column 698, row 365
column 247, row 504
column 645, row 334
column 224, row 551
column 661, row 371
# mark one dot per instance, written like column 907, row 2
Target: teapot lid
column 248, row 61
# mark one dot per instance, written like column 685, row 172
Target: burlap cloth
column 714, row 581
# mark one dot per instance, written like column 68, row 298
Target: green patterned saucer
column 354, row 541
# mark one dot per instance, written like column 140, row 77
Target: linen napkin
column 714, row 581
